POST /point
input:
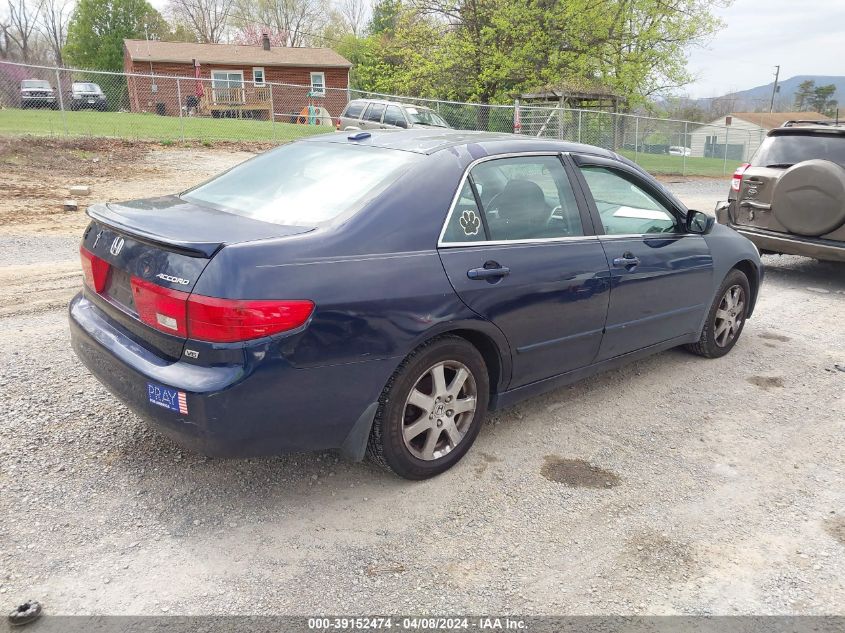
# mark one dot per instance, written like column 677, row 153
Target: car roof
column 804, row 129
column 427, row 141
column 401, row 104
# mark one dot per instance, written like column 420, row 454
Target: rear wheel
column 726, row 317
column 431, row 410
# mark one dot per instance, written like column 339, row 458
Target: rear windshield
column 785, row 150
column 303, row 184
column 424, row 116
column 35, row 83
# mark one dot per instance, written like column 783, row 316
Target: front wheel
column 726, row 317
column 431, row 410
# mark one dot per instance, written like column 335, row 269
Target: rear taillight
column 736, row 181
column 229, row 320
column 161, row 308
column 94, row 270
column 215, row 320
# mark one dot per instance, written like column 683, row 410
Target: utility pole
column 774, row 89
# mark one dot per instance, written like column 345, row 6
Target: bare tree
column 354, row 14
column 53, row 22
column 22, row 25
column 209, row 19
column 300, row 21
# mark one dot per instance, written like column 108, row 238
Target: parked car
column 379, row 292
column 84, row 94
column 38, row 93
column 791, row 197
column 370, row 114
column 675, row 150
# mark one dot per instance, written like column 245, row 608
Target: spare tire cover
column 809, row 198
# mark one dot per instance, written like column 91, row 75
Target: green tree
column 98, row 27
column 822, row 99
column 491, row 50
column 804, row 94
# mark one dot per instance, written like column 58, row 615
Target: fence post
column 580, row 112
column 636, row 137
column 725, row 164
column 179, row 99
column 61, row 100
column 684, row 149
column 272, row 113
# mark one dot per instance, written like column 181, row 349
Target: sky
column 806, row 37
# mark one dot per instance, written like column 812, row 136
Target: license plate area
column 119, row 289
column 167, row 398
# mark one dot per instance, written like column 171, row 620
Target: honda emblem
column 116, row 246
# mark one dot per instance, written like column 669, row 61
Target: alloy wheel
column 439, row 410
column 729, row 316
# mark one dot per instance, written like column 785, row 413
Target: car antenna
column 359, row 136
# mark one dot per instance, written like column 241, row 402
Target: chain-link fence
column 42, row 100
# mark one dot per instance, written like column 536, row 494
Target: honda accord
column 379, row 292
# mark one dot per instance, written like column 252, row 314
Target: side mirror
column 699, row 223
column 402, row 123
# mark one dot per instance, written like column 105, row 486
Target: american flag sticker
column 168, row 398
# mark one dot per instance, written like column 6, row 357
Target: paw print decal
column 470, row 223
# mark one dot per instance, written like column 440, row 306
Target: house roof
column 770, row 120
column 185, row 52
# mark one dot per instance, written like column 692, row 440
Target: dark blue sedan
column 378, row 293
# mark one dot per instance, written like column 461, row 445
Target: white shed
column 742, row 135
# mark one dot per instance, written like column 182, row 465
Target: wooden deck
column 252, row 102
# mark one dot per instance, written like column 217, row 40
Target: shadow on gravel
column 805, row 272
column 577, row 473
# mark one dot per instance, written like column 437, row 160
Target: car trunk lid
column 145, row 253
column 754, row 198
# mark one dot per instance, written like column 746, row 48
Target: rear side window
column 523, row 198
column 785, row 150
column 354, row 109
column 374, row 112
column 304, row 184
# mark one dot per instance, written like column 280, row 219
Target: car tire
column 809, row 198
column 443, row 435
column 726, row 317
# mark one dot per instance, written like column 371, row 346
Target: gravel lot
column 674, row 485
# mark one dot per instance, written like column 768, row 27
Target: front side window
column 374, row 112
column 393, row 116
column 522, row 198
column 318, row 83
column 626, row 208
column 424, row 116
column 304, row 184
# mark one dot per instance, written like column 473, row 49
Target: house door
column 227, row 86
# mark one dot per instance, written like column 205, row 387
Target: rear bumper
column 793, row 244
column 263, row 407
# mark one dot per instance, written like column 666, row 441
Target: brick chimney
column 265, row 41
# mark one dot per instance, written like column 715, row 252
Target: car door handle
column 488, row 273
column 626, row 261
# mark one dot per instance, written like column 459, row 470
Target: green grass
column 665, row 164
column 148, row 126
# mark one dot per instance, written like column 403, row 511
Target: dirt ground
column 674, row 485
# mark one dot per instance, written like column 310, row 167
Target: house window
column 228, row 86
column 318, row 83
column 258, row 76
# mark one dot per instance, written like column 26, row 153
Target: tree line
column 487, row 51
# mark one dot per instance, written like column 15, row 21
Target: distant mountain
column 759, row 97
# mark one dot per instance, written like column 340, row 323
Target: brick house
column 227, row 80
